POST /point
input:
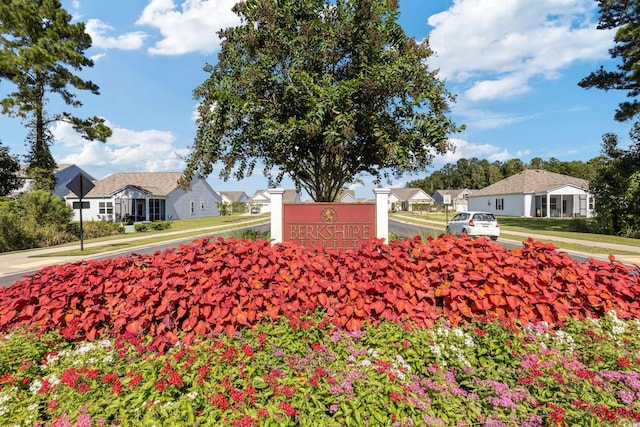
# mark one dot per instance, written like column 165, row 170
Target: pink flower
column 84, row 420
column 288, row 409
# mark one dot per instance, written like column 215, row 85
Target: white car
column 474, row 224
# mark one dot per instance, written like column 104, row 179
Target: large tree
column 320, row 91
column 624, row 17
column 616, row 186
column 9, row 168
column 40, row 49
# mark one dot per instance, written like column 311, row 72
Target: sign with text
column 330, row 225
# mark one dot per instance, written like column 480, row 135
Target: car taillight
column 471, row 224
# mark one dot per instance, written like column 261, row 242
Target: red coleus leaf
column 219, row 286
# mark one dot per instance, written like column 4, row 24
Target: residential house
column 409, row 199
column 347, row 196
column 234, row 196
column 458, row 198
column 63, row 174
column 260, row 202
column 236, row 200
column 535, row 192
column 147, row 196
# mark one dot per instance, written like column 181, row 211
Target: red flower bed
column 220, row 285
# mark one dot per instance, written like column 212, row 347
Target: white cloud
column 467, row 150
column 498, row 47
column 96, row 58
column 98, row 31
column 126, row 150
column 191, row 26
column 523, row 153
column 484, row 120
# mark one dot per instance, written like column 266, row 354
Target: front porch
column 136, row 205
column 563, row 205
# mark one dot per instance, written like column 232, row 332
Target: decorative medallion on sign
column 329, row 215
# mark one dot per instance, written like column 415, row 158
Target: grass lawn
column 554, row 227
column 179, row 229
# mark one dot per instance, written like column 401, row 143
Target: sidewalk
column 25, row 262
column 611, row 248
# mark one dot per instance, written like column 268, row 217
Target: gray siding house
column 63, row 174
column 147, row 196
column 535, row 192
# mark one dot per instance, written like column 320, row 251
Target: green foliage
column 9, row 168
column 140, row 227
column 34, row 219
column 42, row 179
column 616, row 187
column 307, row 372
column 94, row 229
column 13, row 235
column 160, row 225
column 475, row 173
column 624, row 17
column 251, row 234
column 320, row 91
column 224, row 208
column 239, row 207
column 39, row 48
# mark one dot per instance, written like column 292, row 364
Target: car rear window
column 484, row 217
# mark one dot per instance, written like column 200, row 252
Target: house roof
column 531, row 181
column 453, row 193
column 347, row 193
column 406, row 193
column 288, row 196
column 154, row 183
column 233, row 196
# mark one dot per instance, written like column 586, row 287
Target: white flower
column 35, row 386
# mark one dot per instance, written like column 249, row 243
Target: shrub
column 251, row 234
column 141, row 227
column 95, row 229
column 160, row 225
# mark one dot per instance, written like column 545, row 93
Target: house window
column 156, row 209
column 201, row 205
column 193, row 207
column 105, row 208
column 499, row 204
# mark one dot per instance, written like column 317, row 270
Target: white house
column 408, row 199
column 234, row 196
column 535, row 192
column 459, row 198
column 147, row 196
column 260, row 202
column 347, row 196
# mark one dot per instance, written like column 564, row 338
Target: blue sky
column 514, row 66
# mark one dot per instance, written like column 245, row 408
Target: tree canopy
column 616, row 187
column 624, row 16
column 320, row 91
column 9, row 167
column 40, row 49
column 475, row 174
